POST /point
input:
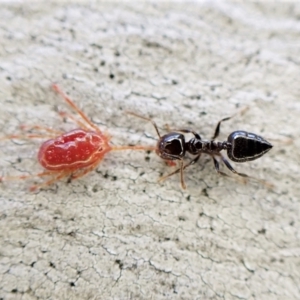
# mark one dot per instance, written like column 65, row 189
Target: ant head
column 171, row 146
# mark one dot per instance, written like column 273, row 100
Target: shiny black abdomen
column 246, row 146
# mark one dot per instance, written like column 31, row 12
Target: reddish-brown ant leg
column 146, row 119
column 193, row 161
column 168, row 162
column 180, row 169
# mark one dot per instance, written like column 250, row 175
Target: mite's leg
column 82, row 172
column 57, row 89
column 22, row 177
column 36, row 133
column 80, row 124
column 51, row 133
column 39, row 128
column 136, row 147
column 217, row 130
column 34, row 187
column 28, row 136
column 59, row 176
column 146, row 119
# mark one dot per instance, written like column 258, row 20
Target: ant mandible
column 71, row 154
column 241, row 146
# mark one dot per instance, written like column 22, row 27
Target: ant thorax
column 196, row 146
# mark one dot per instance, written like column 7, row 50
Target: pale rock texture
column 117, row 233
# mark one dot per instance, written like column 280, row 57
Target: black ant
column 241, row 146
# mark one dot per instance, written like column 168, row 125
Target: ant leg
column 167, row 127
column 217, row 130
column 197, row 135
column 181, row 175
column 57, row 89
column 193, row 161
column 228, row 165
column 146, row 119
column 217, row 167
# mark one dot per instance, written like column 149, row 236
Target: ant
column 71, row 154
column 241, row 146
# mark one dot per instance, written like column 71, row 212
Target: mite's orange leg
column 25, row 137
column 37, row 127
column 53, row 133
column 22, row 177
column 59, row 176
column 74, row 106
column 137, row 147
column 79, row 123
column 81, row 173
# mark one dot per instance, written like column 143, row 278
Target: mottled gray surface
column 117, row 233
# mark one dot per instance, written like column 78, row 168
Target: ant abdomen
column 246, row 146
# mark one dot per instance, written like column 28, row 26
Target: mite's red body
column 73, row 150
column 72, row 154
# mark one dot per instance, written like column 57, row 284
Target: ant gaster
column 241, row 146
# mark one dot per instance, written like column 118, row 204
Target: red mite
column 75, row 153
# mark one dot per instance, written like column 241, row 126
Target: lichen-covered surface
column 117, row 233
